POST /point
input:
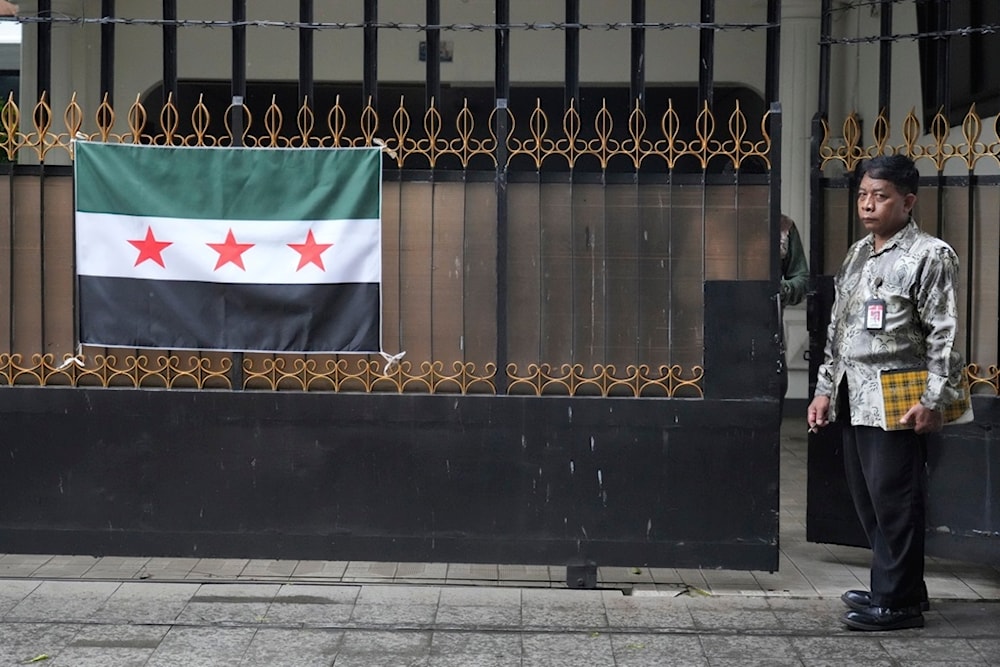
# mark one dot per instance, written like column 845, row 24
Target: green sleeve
column 794, row 271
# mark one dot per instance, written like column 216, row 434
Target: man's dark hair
column 897, row 169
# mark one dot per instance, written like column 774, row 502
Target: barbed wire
column 850, row 5
column 936, row 34
column 386, row 25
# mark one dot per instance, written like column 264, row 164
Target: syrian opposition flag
column 241, row 249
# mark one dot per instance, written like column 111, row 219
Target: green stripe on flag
column 267, row 184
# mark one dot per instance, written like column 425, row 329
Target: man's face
column 882, row 208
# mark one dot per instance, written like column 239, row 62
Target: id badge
column 875, row 314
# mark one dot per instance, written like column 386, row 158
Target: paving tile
column 385, row 615
column 100, row 656
column 363, row 571
column 312, row 606
column 917, row 647
column 475, row 648
column 268, row 569
column 272, row 647
column 988, row 649
column 720, row 648
column 320, row 569
column 624, row 575
column 365, row 648
column 377, row 594
column 478, row 617
column 146, row 602
column 470, row 596
column 421, row 572
column 842, row 650
column 589, row 618
column 20, row 643
column 12, row 591
column 21, row 565
column 65, row 600
column 570, row 649
column 60, row 567
column 213, row 646
column 473, row 572
column 525, row 573
column 218, row 568
column 971, row 619
column 229, row 604
column 657, row 650
column 665, row 575
column 115, row 567
column 167, row 568
column 641, row 613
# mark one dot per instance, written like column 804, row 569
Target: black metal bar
column 169, row 51
column 501, row 87
column 502, row 56
column 826, row 26
column 10, row 263
column 774, row 121
column 44, row 49
column 108, row 52
column 772, row 47
column 706, row 59
column 572, row 75
column 970, row 265
column 942, row 84
column 306, row 53
column 885, row 59
column 239, row 32
column 369, row 86
column 638, row 81
column 239, row 90
column 432, row 90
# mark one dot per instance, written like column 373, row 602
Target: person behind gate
column 895, row 306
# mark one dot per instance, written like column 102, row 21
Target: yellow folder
column 901, row 390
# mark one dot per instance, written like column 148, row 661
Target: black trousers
column 887, row 479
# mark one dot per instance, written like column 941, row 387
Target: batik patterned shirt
column 916, row 275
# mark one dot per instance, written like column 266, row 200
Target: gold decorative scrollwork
column 437, row 136
column 988, row 382
column 638, row 381
column 850, row 150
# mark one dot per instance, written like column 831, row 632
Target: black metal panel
column 963, row 502
column 572, row 74
column 742, row 346
column 306, row 54
column 637, row 87
column 169, row 51
column 432, row 93
column 654, row 482
column 108, row 53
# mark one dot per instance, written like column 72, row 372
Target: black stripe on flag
column 126, row 312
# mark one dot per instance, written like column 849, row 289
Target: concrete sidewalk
column 81, row 611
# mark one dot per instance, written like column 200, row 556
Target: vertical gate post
column 502, row 95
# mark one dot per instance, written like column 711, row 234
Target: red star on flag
column 230, row 251
column 310, row 252
column 150, row 248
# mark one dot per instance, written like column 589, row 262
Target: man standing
column 895, row 307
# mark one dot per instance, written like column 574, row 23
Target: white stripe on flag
column 105, row 248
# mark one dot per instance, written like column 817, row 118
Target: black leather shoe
column 862, row 600
column 883, row 618
column 857, row 600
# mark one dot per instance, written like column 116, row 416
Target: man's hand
column 923, row 419
column 818, row 413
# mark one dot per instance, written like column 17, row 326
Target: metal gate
column 959, row 201
column 568, row 269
